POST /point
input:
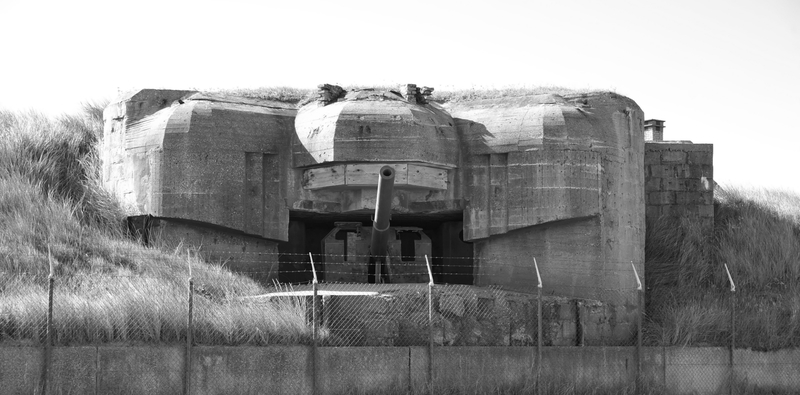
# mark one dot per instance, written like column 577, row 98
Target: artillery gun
column 382, row 253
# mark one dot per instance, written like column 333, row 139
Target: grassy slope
column 108, row 289
column 757, row 234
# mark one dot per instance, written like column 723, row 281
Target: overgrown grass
column 459, row 95
column 282, row 94
column 54, row 213
column 301, row 96
column 757, row 234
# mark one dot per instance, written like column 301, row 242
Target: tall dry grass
column 282, row 94
column 757, row 234
column 302, row 96
column 54, row 213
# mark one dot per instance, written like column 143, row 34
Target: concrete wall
column 251, row 370
column 679, row 180
column 187, row 155
column 364, row 126
column 290, row 369
column 546, row 174
column 466, row 316
column 239, row 252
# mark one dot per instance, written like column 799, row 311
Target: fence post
column 640, row 304
column 538, row 324
column 187, row 363
column 48, row 327
column 733, row 330
column 430, row 326
column 313, row 327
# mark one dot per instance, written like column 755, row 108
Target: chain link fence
column 191, row 318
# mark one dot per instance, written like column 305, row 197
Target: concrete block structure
column 679, row 177
column 484, row 186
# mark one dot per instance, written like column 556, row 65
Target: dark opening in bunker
column 407, row 246
column 343, row 256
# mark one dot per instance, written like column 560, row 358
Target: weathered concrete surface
column 20, row 369
column 602, row 366
column 582, row 186
column 140, row 370
column 251, row 370
column 653, row 372
column 679, row 179
column 375, row 126
column 774, row 370
column 201, row 157
column 74, row 370
column 483, row 369
column 288, row 369
column 509, row 257
column 564, row 183
column 362, row 369
column 702, row 370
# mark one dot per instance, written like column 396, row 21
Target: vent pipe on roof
column 654, row 130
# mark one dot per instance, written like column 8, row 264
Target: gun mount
column 380, row 253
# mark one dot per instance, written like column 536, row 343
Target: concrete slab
column 697, row 370
column 20, row 368
column 140, row 370
column 362, row 369
column 73, row 370
column 776, row 370
column 613, row 367
column 251, row 370
column 483, row 369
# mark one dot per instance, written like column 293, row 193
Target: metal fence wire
column 192, row 318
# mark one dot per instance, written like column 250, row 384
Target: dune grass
column 54, row 213
column 301, row 96
column 282, row 94
column 459, row 95
column 757, row 234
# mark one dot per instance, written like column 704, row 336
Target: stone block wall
column 466, row 316
column 679, row 180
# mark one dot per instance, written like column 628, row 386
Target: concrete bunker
column 481, row 186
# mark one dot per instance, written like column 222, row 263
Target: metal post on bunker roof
column 313, row 326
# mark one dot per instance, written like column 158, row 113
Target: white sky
column 721, row 72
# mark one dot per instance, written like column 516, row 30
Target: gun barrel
column 383, row 209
